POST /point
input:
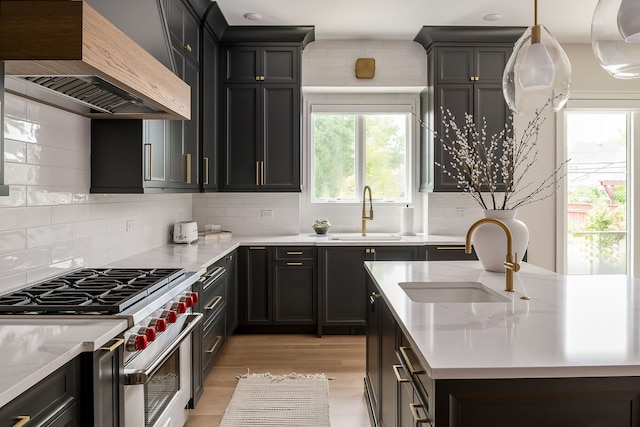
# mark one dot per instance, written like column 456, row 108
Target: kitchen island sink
column 451, row 292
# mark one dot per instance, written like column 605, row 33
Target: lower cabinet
column 343, row 284
column 278, row 289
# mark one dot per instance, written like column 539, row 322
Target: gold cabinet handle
column 294, row 263
column 414, row 411
column 217, row 300
column 230, row 258
column 206, row 170
column 258, row 173
column 257, row 248
column 149, row 162
column 257, row 78
column 294, row 253
column 412, row 369
column 188, row 47
column 450, row 248
column 261, row 173
column 215, row 344
column 113, row 346
column 188, row 159
column 396, row 370
column 22, row 420
column 373, row 297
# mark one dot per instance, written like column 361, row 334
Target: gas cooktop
column 89, row 290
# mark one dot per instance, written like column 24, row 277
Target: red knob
column 182, row 307
column 141, row 342
column 150, row 333
column 194, row 297
column 172, row 316
column 161, row 325
column 188, row 301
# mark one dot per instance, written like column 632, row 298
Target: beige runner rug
column 300, row 400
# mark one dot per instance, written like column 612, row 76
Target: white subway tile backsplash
column 15, row 151
column 13, row 241
column 17, row 197
column 49, row 235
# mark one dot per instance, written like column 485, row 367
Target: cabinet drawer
column 213, row 338
column 213, row 299
column 289, row 253
column 449, row 253
column 47, row 400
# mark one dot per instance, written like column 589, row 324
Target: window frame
column 360, row 111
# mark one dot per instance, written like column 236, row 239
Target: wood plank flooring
column 342, row 357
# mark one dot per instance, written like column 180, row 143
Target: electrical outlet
column 131, row 225
column 267, row 214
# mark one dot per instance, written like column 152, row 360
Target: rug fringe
column 291, row 376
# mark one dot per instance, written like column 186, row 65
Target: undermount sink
column 451, row 292
column 372, row 237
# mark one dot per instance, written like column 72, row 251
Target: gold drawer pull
column 217, row 301
column 294, row 263
column 414, row 411
column 258, row 173
column 450, row 248
column 188, row 47
column 215, row 344
column 261, row 173
column 22, row 420
column 257, row 248
column 206, row 170
column 113, row 346
column 412, row 370
column 294, row 253
column 188, row 159
column 149, row 171
column 396, row 370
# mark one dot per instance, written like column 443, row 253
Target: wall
column 50, row 223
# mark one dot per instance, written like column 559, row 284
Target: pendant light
column 615, row 37
column 537, row 71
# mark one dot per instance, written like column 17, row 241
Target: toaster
column 185, row 232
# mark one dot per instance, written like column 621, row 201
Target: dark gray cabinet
column 261, row 108
column 343, row 283
column 278, row 287
column 465, row 76
column 209, row 113
column 449, row 253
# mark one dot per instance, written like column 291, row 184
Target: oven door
column 158, row 384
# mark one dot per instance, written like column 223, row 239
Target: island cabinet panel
column 278, row 289
column 343, row 283
column 49, row 400
column 553, row 402
column 106, row 390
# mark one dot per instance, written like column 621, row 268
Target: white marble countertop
column 573, row 326
column 34, row 348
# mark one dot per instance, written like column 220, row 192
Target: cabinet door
column 241, row 65
column 449, row 253
column 457, row 98
column 280, row 64
column 388, row 380
column 156, row 153
column 373, row 341
column 294, row 299
column 343, row 284
column 490, row 63
column 455, row 64
column 183, row 28
column 281, row 139
column 241, row 137
column 209, row 114
column 232, row 293
column 257, row 292
column 396, row 253
column 108, row 386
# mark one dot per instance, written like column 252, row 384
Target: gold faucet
column 510, row 265
column 366, row 217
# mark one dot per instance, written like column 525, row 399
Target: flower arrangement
column 321, row 225
column 492, row 169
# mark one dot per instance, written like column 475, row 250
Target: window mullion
column 360, row 172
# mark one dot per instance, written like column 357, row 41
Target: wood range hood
column 63, row 52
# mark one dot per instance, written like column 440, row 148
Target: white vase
column 490, row 241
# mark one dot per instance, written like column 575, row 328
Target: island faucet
column 510, row 265
column 366, row 217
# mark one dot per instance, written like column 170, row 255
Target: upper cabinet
column 261, row 115
column 464, row 76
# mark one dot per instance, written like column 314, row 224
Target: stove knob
column 172, row 316
column 194, row 297
column 136, row 342
column 150, row 333
column 159, row 324
column 179, row 306
column 187, row 300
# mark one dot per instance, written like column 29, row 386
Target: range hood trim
column 81, row 42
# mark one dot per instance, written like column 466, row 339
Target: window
column 356, row 146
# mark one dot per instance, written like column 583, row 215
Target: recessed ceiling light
column 252, row 16
column 492, row 17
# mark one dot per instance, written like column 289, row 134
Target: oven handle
column 142, row 376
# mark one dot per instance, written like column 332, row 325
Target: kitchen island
column 568, row 355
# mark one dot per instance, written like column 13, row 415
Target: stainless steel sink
column 451, row 292
column 368, row 237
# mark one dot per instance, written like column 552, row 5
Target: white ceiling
column 568, row 20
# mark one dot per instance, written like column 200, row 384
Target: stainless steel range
column 158, row 305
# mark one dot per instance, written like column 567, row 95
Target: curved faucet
column 366, row 217
column 510, row 265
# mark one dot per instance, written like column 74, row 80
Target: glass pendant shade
column 615, row 37
column 537, row 71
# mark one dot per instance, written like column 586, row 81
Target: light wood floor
column 342, row 357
